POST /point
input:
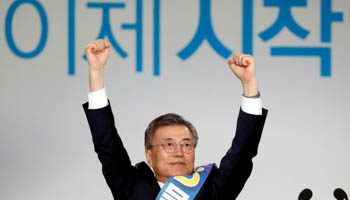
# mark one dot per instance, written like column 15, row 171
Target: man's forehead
column 173, row 132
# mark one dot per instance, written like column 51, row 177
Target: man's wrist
column 254, row 96
column 250, row 88
column 96, row 80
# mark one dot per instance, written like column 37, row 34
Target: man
column 170, row 140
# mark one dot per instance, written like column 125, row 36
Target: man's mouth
column 177, row 163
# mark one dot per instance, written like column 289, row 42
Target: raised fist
column 243, row 66
column 97, row 53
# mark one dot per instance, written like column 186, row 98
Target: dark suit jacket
column 138, row 182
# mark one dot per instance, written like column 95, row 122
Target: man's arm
column 97, row 53
column 236, row 165
column 116, row 165
column 243, row 66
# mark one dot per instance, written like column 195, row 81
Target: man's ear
column 148, row 153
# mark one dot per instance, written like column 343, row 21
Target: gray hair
column 169, row 119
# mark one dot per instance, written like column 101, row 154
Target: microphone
column 340, row 194
column 306, row 194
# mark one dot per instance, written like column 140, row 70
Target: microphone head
column 306, row 194
column 340, row 194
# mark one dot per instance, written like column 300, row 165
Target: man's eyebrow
column 185, row 139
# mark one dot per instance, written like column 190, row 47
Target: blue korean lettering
column 8, row 28
column 284, row 19
column 323, row 52
column 106, row 30
column 247, row 29
column 327, row 18
column 137, row 26
column 204, row 32
column 156, row 37
column 71, row 37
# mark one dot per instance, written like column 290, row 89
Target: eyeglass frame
column 174, row 148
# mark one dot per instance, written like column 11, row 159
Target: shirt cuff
column 252, row 105
column 98, row 99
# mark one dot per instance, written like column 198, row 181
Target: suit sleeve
column 116, row 165
column 236, row 165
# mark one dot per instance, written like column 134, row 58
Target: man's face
column 177, row 163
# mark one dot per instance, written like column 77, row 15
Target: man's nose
column 178, row 150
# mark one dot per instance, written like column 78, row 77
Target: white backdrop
column 46, row 150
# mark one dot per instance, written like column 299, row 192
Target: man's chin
column 180, row 171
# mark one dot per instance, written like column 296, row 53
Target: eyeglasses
column 170, row 146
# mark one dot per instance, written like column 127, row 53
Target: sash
column 185, row 187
